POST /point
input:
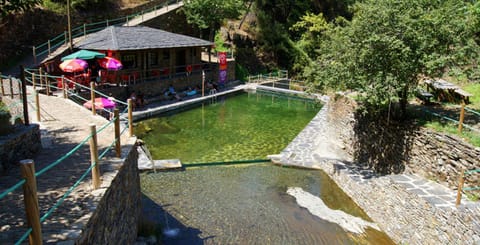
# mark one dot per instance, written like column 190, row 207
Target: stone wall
column 24, row 143
column 405, row 217
column 442, row 158
column 403, row 147
column 115, row 219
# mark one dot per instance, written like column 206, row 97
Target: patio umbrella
column 110, row 63
column 84, row 55
column 100, row 103
column 73, row 65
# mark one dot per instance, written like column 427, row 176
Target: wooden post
column 69, row 26
column 49, row 52
column 92, row 96
column 47, row 83
column 34, row 55
column 127, row 20
column 26, row 120
column 84, row 31
column 462, row 115
column 130, row 117
column 118, row 148
column 40, row 73
column 461, row 181
column 65, row 34
column 1, row 83
column 11, row 86
column 37, row 105
column 33, row 81
column 31, row 200
column 64, row 86
column 203, row 83
column 94, row 157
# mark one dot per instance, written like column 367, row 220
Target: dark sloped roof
column 138, row 37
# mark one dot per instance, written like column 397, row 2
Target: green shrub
column 5, row 124
column 241, row 72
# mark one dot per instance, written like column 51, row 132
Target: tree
column 11, row 6
column 388, row 44
column 209, row 14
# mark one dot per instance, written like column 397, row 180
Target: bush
column 5, row 124
column 241, row 72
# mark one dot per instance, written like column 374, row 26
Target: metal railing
column 28, row 172
column 88, row 28
column 268, row 77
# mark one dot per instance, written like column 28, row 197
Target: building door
column 180, row 60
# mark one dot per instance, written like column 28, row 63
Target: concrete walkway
column 64, row 125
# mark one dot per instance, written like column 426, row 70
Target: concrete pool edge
column 155, row 109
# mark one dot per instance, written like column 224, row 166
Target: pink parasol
column 100, row 103
column 110, row 63
column 73, row 65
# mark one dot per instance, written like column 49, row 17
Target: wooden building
column 149, row 54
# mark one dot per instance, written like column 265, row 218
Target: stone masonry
column 408, row 207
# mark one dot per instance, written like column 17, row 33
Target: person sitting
column 191, row 92
column 171, row 93
column 140, row 99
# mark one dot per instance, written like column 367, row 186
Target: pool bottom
column 247, row 205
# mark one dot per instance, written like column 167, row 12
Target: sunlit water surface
column 240, row 204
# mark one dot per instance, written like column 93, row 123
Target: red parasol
column 73, row 65
column 110, row 63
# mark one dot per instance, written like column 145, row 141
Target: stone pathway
column 64, row 125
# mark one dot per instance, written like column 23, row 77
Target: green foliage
column 12, row 6
column 450, row 128
column 209, row 14
column 60, row 6
column 474, row 88
column 241, row 72
column 5, row 124
column 220, row 43
column 388, row 44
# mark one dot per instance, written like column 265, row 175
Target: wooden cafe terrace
column 150, row 55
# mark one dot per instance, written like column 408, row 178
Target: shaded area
column 157, row 221
column 382, row 144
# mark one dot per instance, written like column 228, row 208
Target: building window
column 166, row 54
column 129, row 61
column 153, row 58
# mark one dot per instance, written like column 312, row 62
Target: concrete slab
column 418, row 191
column 400, row 178
column 435, row 200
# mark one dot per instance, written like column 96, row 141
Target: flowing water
column 240, row 204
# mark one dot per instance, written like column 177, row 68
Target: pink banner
column 222, row 59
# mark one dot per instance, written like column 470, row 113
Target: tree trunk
column 245, row 16
column 404, row 102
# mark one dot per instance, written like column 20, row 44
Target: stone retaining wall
column 115, row 219
column 24, row 143
column 403, row 147
column 403, row 215
column 442, row 158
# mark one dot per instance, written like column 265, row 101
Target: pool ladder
column 214, row 97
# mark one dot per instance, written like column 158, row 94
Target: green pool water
column 243, row 127
column 240, row 204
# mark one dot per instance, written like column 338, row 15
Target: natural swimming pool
column 241, row 204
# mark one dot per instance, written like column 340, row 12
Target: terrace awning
column 84, row 55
